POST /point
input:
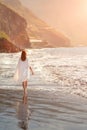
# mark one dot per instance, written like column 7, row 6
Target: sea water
column 57, row 96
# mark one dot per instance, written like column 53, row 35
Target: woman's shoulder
column 25, row 61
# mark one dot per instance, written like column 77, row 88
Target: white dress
column 22, row 72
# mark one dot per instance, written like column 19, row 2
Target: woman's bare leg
column 25, row 87
column 25, row 99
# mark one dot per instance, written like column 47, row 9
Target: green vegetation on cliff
column 3, row 35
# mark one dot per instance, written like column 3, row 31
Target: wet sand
column 43, row 110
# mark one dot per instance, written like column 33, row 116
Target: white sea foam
column 66, row 68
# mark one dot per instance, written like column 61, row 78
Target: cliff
column 14, row 26
column 38, row 29
column 7, row 47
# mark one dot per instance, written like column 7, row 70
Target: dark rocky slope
column 7, row 47
column 14, row 26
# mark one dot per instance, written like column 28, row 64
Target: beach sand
column 43, row 110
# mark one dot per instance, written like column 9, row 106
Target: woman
column 23, row 71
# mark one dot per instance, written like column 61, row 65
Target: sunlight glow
column 67, row 16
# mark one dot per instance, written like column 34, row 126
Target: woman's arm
column 31, row 70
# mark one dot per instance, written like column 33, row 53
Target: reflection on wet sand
column 23, row 113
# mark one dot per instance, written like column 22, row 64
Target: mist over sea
column 57, row 93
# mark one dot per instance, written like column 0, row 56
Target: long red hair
column 23, row 55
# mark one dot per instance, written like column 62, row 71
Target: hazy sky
column 67, row 16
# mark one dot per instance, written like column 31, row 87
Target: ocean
column 57, row 96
